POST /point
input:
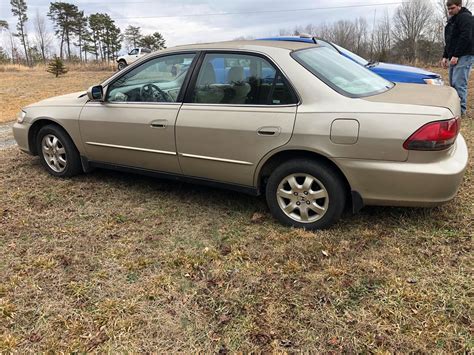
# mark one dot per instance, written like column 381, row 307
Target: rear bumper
column 412, row 183
column 20, row 133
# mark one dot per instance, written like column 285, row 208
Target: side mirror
column 96, row 93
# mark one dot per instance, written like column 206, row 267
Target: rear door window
column 242, row 79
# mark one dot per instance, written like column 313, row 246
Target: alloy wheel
column 302, row 198
column 54, row 153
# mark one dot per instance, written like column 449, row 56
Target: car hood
column 74, row 99
column 426, row 95
column 398, row 68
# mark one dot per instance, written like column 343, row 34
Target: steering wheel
column 151, row 92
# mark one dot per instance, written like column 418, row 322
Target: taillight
column 436, row 135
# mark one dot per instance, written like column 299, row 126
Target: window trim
column 192, row 83
column 182, row 91
column 332, row 85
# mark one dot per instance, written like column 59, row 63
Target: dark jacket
column 458, row 35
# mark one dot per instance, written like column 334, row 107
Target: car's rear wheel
column 57, row 152
column 306, row 194
column 121, row 64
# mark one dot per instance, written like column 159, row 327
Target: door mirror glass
column 96, row 93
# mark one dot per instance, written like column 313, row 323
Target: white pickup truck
column 132, row 56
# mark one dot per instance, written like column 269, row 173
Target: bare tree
column 410, row 25
column 324, row 31
column 382, row 41
column 4, row 26
column 42, row 37
column 343, row 34
column 361, row 35
column 244, row 38
column 352, row 35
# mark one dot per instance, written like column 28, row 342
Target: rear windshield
column 352, row 55
column 341, row 73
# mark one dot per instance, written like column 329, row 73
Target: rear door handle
column 159, row 124
column 269, row 131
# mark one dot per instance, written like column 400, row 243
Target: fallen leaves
column 257, row 217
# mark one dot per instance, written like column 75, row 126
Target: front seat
column 206, row 89
column 239, row 87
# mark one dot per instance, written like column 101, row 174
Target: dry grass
column 71, row 66
column 113, row 262
column 18, row 89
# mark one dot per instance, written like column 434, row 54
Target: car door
column 135, row 124
column 133, row 56
column 238, row 108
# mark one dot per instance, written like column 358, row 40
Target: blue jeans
column 459, row 77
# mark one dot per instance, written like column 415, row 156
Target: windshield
column 340, row 73
column 354, row 56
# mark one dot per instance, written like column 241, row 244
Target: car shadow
column 206, row 196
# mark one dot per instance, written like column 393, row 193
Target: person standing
column 459, row 49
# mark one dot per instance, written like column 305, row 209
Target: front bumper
column 414, row 183
column 20, row 133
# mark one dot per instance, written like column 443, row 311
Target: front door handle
column 159, row 124
column 269, row 131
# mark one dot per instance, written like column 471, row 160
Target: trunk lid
column 422, row 95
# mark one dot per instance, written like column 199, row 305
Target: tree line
column 413, row 33
column 81, row 38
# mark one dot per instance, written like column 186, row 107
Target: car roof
column 247, row 44
column 291, row 39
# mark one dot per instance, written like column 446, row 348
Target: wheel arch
column 270, row 163
column 35, row 128
column 122, row 60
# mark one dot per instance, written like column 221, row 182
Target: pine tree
column 154, row 42
column 81, row 32
column 19, row 9
column 56, row 67
column 132, row 36
column 65, row 17
column 105, row 36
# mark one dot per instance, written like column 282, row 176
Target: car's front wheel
column 57, row 152
column 121, row 65
column 306, row 194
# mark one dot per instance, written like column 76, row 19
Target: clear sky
column 190, row 21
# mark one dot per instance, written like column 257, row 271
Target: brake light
column 436, row 135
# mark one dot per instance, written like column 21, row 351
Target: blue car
column 392, row 72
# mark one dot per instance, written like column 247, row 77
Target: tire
column 121, row 65
column 57, row 152
column 305, row 194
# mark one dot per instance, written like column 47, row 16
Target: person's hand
column 454, row 61
column 444, row 63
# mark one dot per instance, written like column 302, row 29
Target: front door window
column 157, row 80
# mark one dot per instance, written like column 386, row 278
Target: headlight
column 435, row 81
column 21, row 116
